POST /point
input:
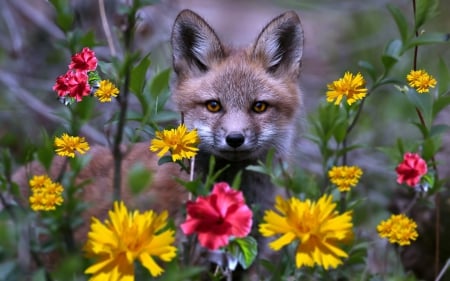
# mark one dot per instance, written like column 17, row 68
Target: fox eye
column 213, row 106
column 259, row 106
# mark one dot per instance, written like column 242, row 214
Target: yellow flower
column 421, row 81
column 352, row 87
column 67, row 145
column 45, row 194
column 398, row 229
column 126, row 237
column 345, row 177
column 180, row 142
column 317, row 225
column 106, row 91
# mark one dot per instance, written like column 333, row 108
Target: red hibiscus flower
column 218, row 216
column 78, row 85
column 411, row 169
column 84, row 61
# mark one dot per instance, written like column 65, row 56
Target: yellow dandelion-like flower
column 345, row 177
column 45, row 194
column 126, row 237
column 180, row 142
column 421, row 81
column 351, row 87
column 67, row 145
column 398, row 229
column 316, row 225
column 39, row 181
column 106, row 91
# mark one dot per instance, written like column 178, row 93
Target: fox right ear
column 280, row 44
column 194, row 44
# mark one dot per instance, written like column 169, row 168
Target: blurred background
column 338, row 34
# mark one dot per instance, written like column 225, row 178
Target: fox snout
column 235, row 139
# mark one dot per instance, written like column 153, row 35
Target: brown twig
column 433, row 163
column 106, row 29
column 123, row 105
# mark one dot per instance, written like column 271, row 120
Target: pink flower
column 411, row 169
column 61, row 86
column 84, row 61
column 78, row 85
column 218, row 216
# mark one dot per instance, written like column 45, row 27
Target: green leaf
column 425, row 9
column 87, row 39
column 45, row 152
column 439, row 129
column 428, row 38
column 139, row 177
column 391, row 54
column 139, row 76
column 440, row 103
column 248, row 249
column 340, row 131
column 400, row 20
column 160, row 83
column 431, row 146
column 237, row 180
column 84, row 109
column 443, row 78
column 64, row 17
column 424, row 103
column 369, row 68
column 196, row 187
column 165, row 159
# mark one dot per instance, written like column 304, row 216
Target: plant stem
column 123, row 105
column 433, row 163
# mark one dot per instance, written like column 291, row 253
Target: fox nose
column 235, row 139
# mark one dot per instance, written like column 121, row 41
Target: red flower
column 218, row 216
column 84, row 61
column 61, row 86
column 78, row 85
column 411, row 169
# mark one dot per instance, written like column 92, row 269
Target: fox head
column 243, row 102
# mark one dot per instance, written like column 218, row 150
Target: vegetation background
column 338, row 34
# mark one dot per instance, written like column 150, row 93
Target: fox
column 243, row 102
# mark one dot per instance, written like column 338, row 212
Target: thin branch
column 106, row 29
column 123, row 103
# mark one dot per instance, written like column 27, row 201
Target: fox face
column 243, row 102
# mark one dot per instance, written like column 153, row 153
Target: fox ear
column 280, row 44
column 194, row 44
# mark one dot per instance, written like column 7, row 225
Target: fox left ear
column 195, row 45
column 280, row 44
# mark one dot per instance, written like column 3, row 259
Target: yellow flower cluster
column 106, row 91
column 126, row 237
column 67, row 145
column 398, row 229
column 351, row 87
column 45, row 194
column 317, row 225
column 179, row 141
column 345, row 177
column 421, row 81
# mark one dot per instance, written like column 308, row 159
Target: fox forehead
column 237, row 81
